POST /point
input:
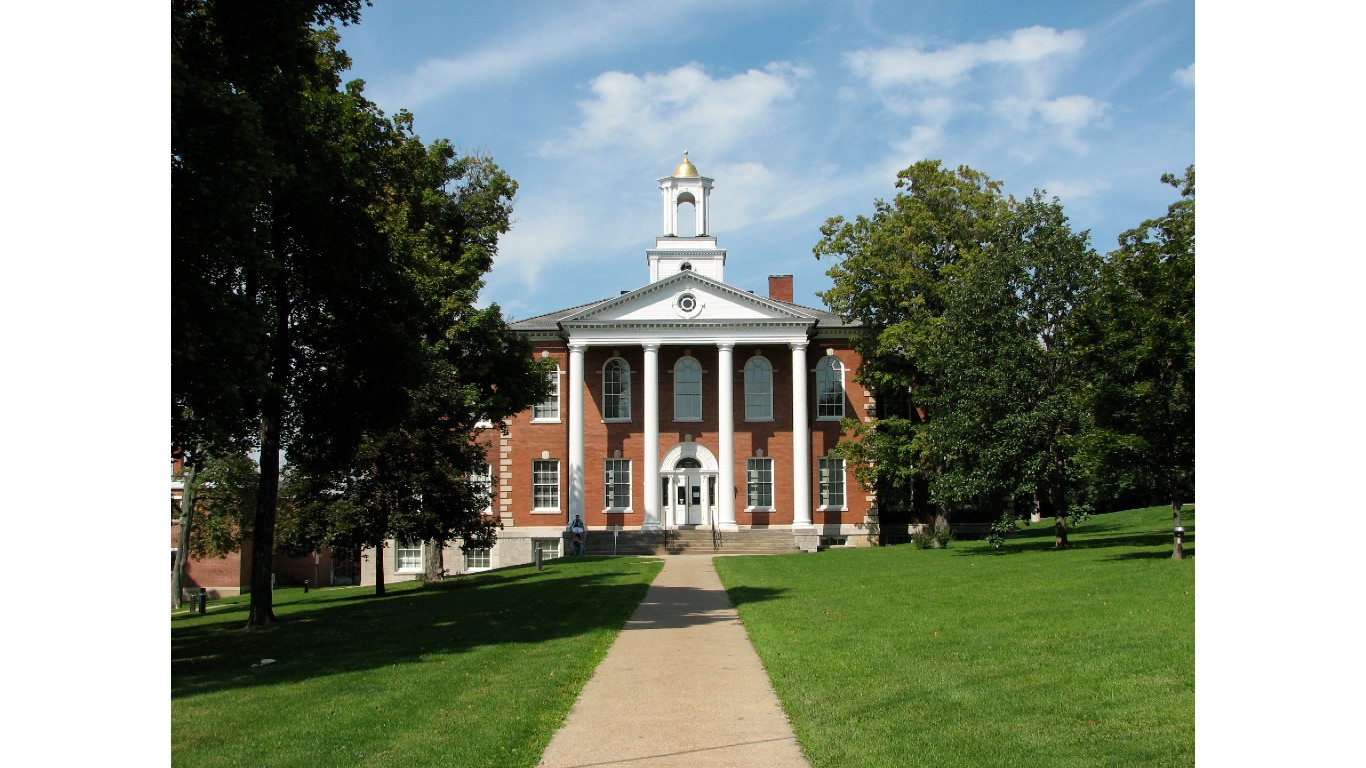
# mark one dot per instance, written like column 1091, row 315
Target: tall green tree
column 422, row 476
column 304, row 305
column 889, row 274
column 1004, row 382
column 1137, row 342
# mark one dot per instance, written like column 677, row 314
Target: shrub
column 932, row 538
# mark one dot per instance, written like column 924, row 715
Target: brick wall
column 527, row 441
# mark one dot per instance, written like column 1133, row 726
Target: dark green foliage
column 1138, row 348
column 890, row 274
column 325, row 261
column 225, row 503
column 1016, row 370
column 1004, row 383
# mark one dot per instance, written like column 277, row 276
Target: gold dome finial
column 686, row 169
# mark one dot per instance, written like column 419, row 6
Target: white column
column 801, row 442
column 725, row 407
column 575, row 430
column 651, row 470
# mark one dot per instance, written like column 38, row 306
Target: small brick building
column 230, row 575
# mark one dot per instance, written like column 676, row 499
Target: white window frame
column 686, row 364
column 622, row 397
column 829, row 371
column 756, row 389
column 402, row 553
column 550, row 548
column 756, row 468
column 485, row 480
column 548, row 411
column 545, row 466
column 831, row 473
column 611, row 489
column 477, row 556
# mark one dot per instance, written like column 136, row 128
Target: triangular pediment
column 687, row 297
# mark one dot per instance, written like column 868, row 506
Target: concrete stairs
column 695, row 541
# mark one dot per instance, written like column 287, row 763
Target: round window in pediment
column 687, row 304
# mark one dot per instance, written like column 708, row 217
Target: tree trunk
column 379, row 567
column 182, row 553
column 433, row 562
column 263, row 527
column 272, row 414
column 1178, row 532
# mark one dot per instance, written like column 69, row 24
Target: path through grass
column 967, row 657
column 477, row 671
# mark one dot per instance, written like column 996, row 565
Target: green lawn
column 969, row 657
column 477, row 671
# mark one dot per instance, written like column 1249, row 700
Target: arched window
column 616, row 390
column 687, row 390
column 758, row 390
column 829, row 388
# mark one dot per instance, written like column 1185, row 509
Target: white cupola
column 675, row 252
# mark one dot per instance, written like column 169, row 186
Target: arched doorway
column 688, row 481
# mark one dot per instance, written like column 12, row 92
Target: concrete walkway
column 681, row 686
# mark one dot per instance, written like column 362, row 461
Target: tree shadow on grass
column 679, row 607
column 325, row 636
column 1093, row 534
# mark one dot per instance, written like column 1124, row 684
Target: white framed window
column 759, row 482
column 829, row 388
column 477, row 559
column 616, row 390
column 549, row 409
column 687, row 390
column 545, row 485
column 758, row 390
column 482, row 480
column 407, row 556
column 831, row 471
column 547, row 547
column 616, row 483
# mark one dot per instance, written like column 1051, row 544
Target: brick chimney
column 780, row 288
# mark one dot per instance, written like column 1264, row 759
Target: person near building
column 576, row 528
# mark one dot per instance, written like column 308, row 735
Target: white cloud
column 909, row 65
column 658, row 112
column 550, row 39
column 1076, row 191
column 1072, row 112
column 1185, row 77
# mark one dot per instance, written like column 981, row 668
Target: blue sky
column 799, row 111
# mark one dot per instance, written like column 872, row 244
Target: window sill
column 546, row 512
column 690, row 420
column 546, row 421
column 829, row 418
column 626, row 420
column 618, row 511
column 761, row 509
column 832, row 509
column 768, row 419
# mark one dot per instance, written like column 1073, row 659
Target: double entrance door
column 690, row 494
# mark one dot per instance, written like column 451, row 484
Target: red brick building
column 686, row 404
column 231, row 574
